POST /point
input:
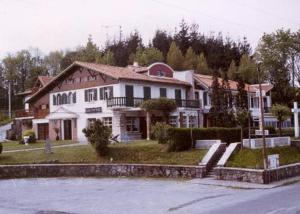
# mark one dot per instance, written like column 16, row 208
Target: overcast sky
column 64, row 24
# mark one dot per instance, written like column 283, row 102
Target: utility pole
column 249, row 115
column 262, row 119
column 9, row 99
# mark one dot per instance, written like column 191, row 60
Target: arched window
column 64, row 98
column 74, row 97
column 69, row 98
column 59, row 100
column 54, row 100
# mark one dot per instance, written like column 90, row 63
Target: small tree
column 98, row 135
column 281, row 112
column 165, row 105
column 242, row 118
column 174, row 57
column 160, row 132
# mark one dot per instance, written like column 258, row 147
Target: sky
column 65, row 24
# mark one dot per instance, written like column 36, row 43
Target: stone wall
column 239, row 174
column 94, row 170
column 257, row 175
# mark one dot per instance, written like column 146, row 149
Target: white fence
column 271, row 142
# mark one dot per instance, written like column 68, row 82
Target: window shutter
column 74, row 97
column 95, row 94
column 101, row 94
column 111, row 92
column 86, row 94
column 54, row 100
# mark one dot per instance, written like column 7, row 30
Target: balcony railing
column 136, row 102
column 38, row 114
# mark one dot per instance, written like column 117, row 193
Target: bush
column 31, row 135
column 287, row 132
column 180, row 139
column 1, row 148
column 160, row 132
column 98, row 135
column 271, row 129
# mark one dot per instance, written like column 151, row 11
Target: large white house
column 85, row 92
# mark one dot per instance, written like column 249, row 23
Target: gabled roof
column 44, row 79
column 207, row 80
column 118, row 73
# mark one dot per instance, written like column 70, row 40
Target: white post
column 62, row 129
column 296, row 119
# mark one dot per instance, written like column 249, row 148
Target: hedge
column 180, row 138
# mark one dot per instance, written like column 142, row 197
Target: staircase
column 212, row 157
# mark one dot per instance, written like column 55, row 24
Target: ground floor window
column 192, row 121
column 90, row 121
column 173, row 121
column 132, row 124
column 107, row 121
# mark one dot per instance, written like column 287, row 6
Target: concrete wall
column 89, row 170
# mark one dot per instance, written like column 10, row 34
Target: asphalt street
column 136, row 196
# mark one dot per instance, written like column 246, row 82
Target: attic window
column 160, row 73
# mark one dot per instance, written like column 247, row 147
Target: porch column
column 118, row 125
column 187, row 120
column 62, row 129
column 296, row 119
column 148, row 121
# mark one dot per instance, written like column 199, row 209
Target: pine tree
column 148, row 56
column 174, row 57
column 216, row 101
column 107, row 59
column 190, row 59
column 232, row 71
column 247, row 69
column 182, row 38
column 202, row 67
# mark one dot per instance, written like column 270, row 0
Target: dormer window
column 160, row 73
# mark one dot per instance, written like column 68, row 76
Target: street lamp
column 262, row 118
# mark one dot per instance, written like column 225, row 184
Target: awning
column 61, row 113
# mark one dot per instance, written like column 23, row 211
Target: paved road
column 140, row 196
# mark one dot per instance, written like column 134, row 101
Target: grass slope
column 137, row 152
column 252, row 158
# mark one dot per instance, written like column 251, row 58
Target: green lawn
column 14, row 145
column 137, row 152
column 252, row 158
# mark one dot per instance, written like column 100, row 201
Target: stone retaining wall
column 239, row 174
column 94, row 170
column 258, row 175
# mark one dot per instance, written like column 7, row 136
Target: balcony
column 136, row 102
column 37, row 114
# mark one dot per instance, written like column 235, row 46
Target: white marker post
column 296, row 119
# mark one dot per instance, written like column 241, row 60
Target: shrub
column 1, row 148
column 271, row 129
column 31, row 135
column 181, row 139
column 98, row 135
column 160, row 132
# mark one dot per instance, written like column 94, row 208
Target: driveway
column 123, row 195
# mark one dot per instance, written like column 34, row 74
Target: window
column 90, row 95
column 147, row 93
column 192, row 121
column 205, row 98
column 173, row 121
column 64, row 98
column 160, row 73
column 90, row 122
column 197, row 97
column 163, row 92
column 59, row 101
column 107, row 121
column 54, row 100
column 106, row 93
column 132, row 124
column 74, row 97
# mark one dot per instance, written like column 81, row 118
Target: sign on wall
column 273, row 161
column 93, row 110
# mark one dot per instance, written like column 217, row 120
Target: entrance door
column 67, row 129
column 43, row 131
column 129, row 95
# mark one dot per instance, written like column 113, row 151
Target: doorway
column 129, row 95
column 43, row 131
column 67, row 130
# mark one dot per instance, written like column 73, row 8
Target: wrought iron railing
column 136, row 102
